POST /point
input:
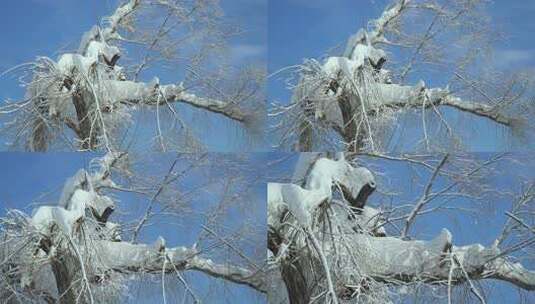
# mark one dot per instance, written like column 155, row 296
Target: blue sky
column 300, row 29
column 30, row 179
column 57, row 27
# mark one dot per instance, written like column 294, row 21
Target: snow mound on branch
column 78, row 194
column 362, row 55
column 392, row 94
column 69, row 216
column 326, row 172
column 359, row 46
column 396, row 256
column 97, row 49
column 301, row 202
column 48, row 216
column 78, row 181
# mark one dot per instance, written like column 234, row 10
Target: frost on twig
column 355, row 99
column 326, row 247
column 72, row 252
column 87, row 95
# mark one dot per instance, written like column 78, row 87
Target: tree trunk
column 350, row 135
column 40, row 133
column 64, row 267
column 296, row 284
column 306, row 134
column 86, row 133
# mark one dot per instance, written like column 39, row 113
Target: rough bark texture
column 296, row 283
column 64, row 268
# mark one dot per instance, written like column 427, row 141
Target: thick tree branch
column 380, row 25
column 478, row 109
column 152, row 94
column 232, row 273
column 110, row 32
column 407, row 261
column 128, row 257
column 398, row 96
column 513, row 273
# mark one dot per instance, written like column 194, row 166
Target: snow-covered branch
column 406, row 261
column 125, row 256
column 153, row 94
column 376, row 36
column 324, row 174
column 513, row 273
column 232, row 273
column 80, row 192
column 141, row 258
column 111, row 31
column 401, row 97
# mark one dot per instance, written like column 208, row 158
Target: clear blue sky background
column 300, row 29
column 30, row 179
column 34, row 28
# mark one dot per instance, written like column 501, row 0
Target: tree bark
column 85, row 132
column 296, row 283
column 64, row 269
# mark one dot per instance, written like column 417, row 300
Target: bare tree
column 86, row 100
column 327, row 244
column 75, row 252
column 356, row 101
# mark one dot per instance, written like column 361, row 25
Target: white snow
column 393, row 94
column 302, row 202
column 69, row 63
column 325, row 172
column 97, row 48
column 394, row 256
column 125, row 255
column 71, row 185
column 46, row 216
column 78, row 193
column 128, row 91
